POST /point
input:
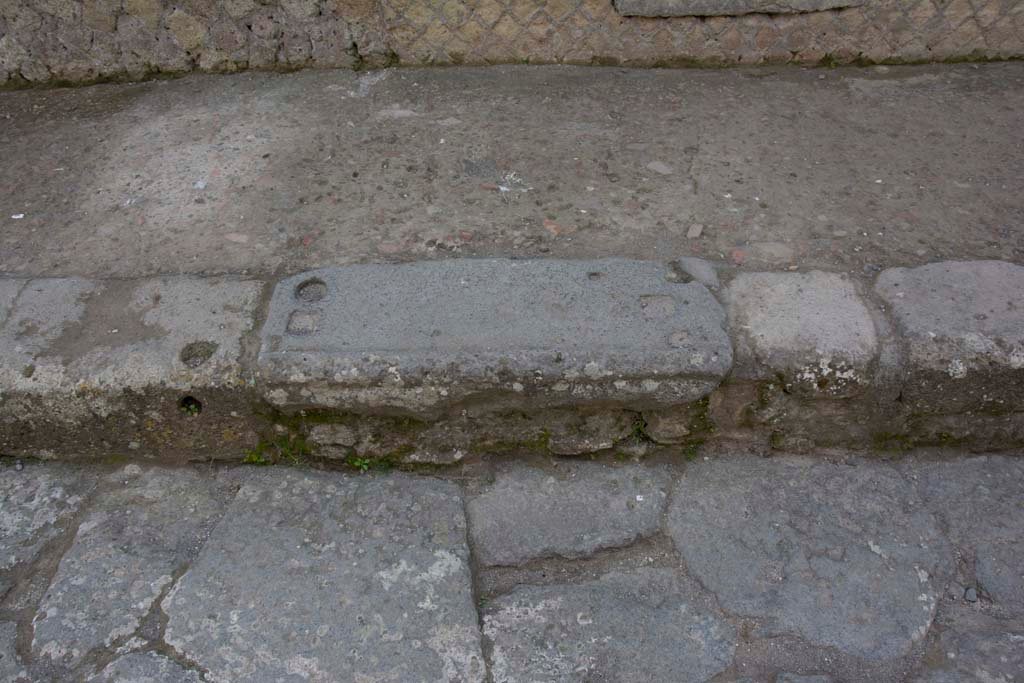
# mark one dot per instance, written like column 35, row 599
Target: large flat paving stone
column 813, row 329
column 33, row 504
column 144, row 667
column 963, row 326
column 981, row 502
column 144, row 527
column 11, row 670
column 572, row 511
column 973, row 646
column 423, row 336
column 839, row 555
column 327, row 577
column 631, row 626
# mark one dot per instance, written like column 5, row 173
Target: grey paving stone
column 797, row 678
column 981, row 502
column 422, row 336
column 813, row 328
column 126, row 335
column 973, row 646
column 963, row 326
column 327, row 577
column 143, row 527
column 579, row 508
column 144, row 667
column 11, row 670
column 631, row 626
column 840, row 555
column 717, row 8
column 33, row 502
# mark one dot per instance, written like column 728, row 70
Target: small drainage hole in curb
column 190, row 405
column 311, row 291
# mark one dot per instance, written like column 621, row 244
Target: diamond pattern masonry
column 88, row 40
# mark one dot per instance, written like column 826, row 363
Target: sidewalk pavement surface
column 851, row 169
column 728, row 567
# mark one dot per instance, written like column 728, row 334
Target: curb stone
column 437, row 361
column 426, row 337
column 90, row 367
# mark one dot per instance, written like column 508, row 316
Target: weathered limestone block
column 89, row 367
column 812, row 330
column 962, row 324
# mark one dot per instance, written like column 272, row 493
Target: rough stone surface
column 676, row 425
column 424, row 336
column 142, row 530
column 572, row 511
column 112, row 359
column 625, row 626
column 973, row 646
column 578, row 139
column 719, row 8
column 559, row 431
column 797, row 678
column 843, row 555
column 355, row 578
column 9, row 289
column 981, row 502
column 812, row 328
column 963, row 327
column 48, row 40
column 128, row 336
column 33, row 504
column 11, row 670
column 144, row 667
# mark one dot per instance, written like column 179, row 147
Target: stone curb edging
column 430, row 362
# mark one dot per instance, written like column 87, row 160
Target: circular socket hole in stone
column 190, row 405
column 197, row 353
column 595, row 275
column 311, row 290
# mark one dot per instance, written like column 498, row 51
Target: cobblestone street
column 729, row 567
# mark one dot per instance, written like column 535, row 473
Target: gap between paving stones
column 193, row 368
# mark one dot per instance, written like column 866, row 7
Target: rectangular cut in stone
column 425, row 336
column 725, row 8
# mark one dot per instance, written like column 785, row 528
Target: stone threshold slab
column 422, row 337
